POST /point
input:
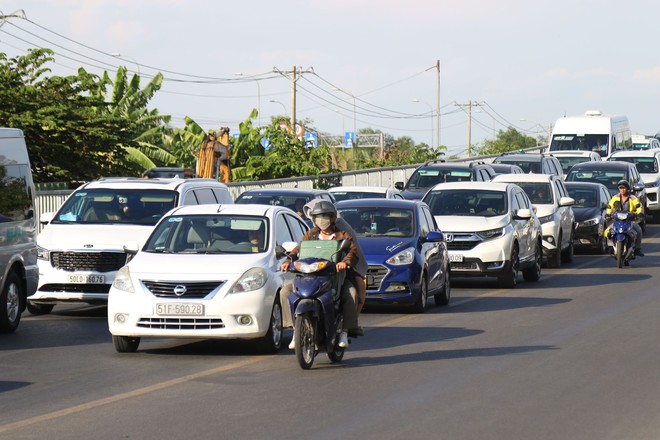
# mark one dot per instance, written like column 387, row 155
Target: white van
column 592, row 131
column 18, row 248
column 81, row 247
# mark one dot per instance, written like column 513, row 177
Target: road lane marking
column 127, row 395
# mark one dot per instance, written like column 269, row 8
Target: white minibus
column 592, row 131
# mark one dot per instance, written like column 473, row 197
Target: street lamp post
column 133, row 60
column 431, row 109
column 258, row 97
column 278, row 102
column 354, row 107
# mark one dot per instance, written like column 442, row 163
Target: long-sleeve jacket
column 634, row 204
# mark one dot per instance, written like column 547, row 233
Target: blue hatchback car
column 406, row 253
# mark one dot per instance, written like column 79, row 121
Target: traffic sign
column 349, row 139
column 265, row 142
column 312, row 138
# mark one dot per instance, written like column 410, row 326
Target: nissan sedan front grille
column 181, row 323
column 182, row 289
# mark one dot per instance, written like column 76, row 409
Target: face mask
column 322, row 222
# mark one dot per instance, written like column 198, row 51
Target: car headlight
column 590, row 222
column 123, row 280
column 252, row 279
column 545, row 219
column 406, row 256
column 43, row 253
column 492, row 233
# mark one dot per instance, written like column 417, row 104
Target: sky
column 366, row 63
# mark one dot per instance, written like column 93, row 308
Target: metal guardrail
column 50, row 201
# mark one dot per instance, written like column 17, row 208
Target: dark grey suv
column 438, row 171
column 532, row 163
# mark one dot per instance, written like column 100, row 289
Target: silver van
column 18, row 247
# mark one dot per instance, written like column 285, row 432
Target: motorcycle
column 316, row 305
column 621, row 238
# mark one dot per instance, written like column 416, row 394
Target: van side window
column 190, row 199
column 15, row 193
column 222, row 195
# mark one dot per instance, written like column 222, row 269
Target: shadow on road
column 498, row 303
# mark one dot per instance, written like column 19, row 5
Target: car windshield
column 568, row 162
column 426, row 178
column 209, row 234
column 584, row 197
column 467, row 202
column 379, row 221
column 528, row 166
column 646, row 165
column 582, row 142
column 352, row 195
column 609, row 178
column 538, row 192
column 294, row 202
column 123, row 206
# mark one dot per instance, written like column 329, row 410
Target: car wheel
column 39, row 309
column 554, row 260
column 442, row 298
column 533, row 273
column 10, row 303
column 420, row 301
column 567, row 254
column 125, row 344
column 510, row 279
column 602, row 245
column 272, row 340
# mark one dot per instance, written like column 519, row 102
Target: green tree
column 70, row 133
column 508, row 140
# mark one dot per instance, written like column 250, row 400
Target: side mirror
column 638, row 188
column 46, row 217
column 398, row 185
column 566, row 201
column 280, row 251
column 435, row 236
column 131, row 248
column 523, row 214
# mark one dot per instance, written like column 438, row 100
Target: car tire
column 510, row 278
column 271, row 342
column 533, row 273
column 126, row 344
column 420, row 301
column 39, row 309
column 567, row 254
column 442, row 298
column 554, row 259
column 11, row 303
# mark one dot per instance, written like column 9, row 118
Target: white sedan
column 207, row 271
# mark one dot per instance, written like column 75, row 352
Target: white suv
column 81, row 247
column 553, row 207
column 490, row 230
column 647, row 163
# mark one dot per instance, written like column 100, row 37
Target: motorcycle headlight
column 123, row 280
column 621, row 215
column 590, row 222
column 43, row 253
column 492, row 233
column 545, row 219
column 406, row 256
column 252, row 279
column 304, row 267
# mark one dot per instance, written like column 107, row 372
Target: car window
column 584, row 197
column 282, row 231
column 517, row 202
column 205, row 196
column 296, row 225
column 467, row 202
column 190, row 199
column 222, row 195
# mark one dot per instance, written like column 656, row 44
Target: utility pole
column 437, row 105
column 295, row 73
column 469, row 122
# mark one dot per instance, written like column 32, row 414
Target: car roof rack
column 431, row 162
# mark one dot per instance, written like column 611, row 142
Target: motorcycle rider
column 324, row 216
column 629, row 203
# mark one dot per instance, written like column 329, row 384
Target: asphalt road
column 574, row 356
